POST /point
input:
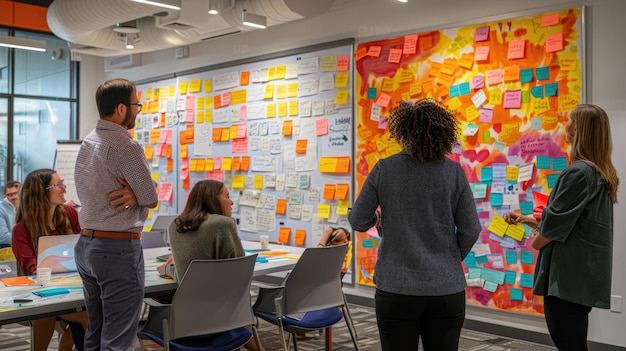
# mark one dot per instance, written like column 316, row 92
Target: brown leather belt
column 111, row 235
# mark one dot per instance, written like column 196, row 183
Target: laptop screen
column 57, row 252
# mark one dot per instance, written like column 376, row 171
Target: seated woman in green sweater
column 205, row 230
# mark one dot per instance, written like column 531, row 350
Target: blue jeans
column 113, row 284
column 402, row 319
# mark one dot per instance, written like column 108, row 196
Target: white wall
column 368, row 19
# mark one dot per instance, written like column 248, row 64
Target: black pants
column 567, row 323
column 402, row 319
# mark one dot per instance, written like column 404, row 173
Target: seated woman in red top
column 41, row 212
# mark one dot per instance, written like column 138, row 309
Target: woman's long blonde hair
column 592, row 142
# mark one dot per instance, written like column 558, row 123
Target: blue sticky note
column 536, row 123
column 480, row 191
column 511, row 256
column 499, row 145
column 527, row 257
column 470, row 260
column 526, row 280
column 474, row 273
column 559, row 163
column 552, row 178
column 464, row 88
column 454, row 91
column 492, row 275
column 537, row 91
column 543, row 162
column 499, row 170
column 515, row 294
column 510, row 277
column 368, row 244
column 495, row 199
column 526, row 75
column 486, row 174
column 371, row 93
column 542, row 73
column 482, row 259
column 552, row 89
column 526, row 207
column 490, row 286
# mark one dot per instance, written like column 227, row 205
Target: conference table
column 277, row 258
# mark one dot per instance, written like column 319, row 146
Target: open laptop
column 8, row 269
column 162, row 222
column 57, row 252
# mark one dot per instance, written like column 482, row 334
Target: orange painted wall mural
column 511, row 84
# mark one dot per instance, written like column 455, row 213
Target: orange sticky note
column 410, row 44
column 425, row 42
column 217, row 101
column 343, row 63
column 329, row 192
column 301, row 146
column 300, row 237
column 245, row 163
column 236, row 163
column 511, row 73
column 516, row 49
column 550, row 20
column 374, row 51
column 245, row 78
column 170, row 165
column 554, row 42
column 343, row 165
column 342, row 191
column 287, row 127
column 395, row 55
column 383, row 100
column 481, row 53
column 217, row 134
column 284, row 234
column 281, row 206
column 149, row 151
column 360, row 53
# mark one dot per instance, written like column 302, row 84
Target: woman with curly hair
column 40, row 212
column 429, row 224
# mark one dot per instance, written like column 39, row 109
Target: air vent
column 221, row 35
column 176, row 26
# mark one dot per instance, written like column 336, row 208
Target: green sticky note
column 487, row 137
column 525, row 96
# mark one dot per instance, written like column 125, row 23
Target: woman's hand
column 515, row 218
column 161, row 268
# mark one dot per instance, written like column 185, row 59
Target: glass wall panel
column 4, row 66
column 4, row 139
column 37, row 126
column 43, row 73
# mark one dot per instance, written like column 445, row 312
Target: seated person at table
column 204, row 230
column 41, row 212
column 7, row 211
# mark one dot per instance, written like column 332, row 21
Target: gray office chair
column 212, row 306
column 309, row 297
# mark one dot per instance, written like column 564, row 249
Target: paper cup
column 44, row 275
column 265, row 241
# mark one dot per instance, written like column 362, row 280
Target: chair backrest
column 152, row 239
column 213, row 296
column 314, row 282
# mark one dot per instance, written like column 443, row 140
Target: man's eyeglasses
column 57, row 186
column 139, row 106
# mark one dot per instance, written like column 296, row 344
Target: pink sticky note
column 226, row 98
column 243, row 112
column 382, row 122
column 494, row 77
column 241, row 130
column 394, row 55
column 478, row 82
column 481, row 53
column 321, row 127
column 550, row 20
column 486, row 115
column 410, row 44
column 512, row 99
column 343, row 63
column 165, row 191
column 516, row 49
column 374, row 51
column 383, row 100
column 159, row 149
column 240, row 145
column 217, row 163
column 190, row 101
column 166, row 136
column 481, row 34
column 554, row 42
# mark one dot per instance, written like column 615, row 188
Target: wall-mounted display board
column 156, row 129
column 277, row 130
column 511, row 84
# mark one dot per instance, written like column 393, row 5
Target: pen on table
column 19, row 302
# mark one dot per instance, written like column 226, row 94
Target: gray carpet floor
column 16, row 337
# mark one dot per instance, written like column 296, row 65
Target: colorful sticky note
column 512, row 99
column 481, row 33
column 537, row 91
column 527, row 257
column 526, row 280
column 281, row 206
column 515, row 294
column 526, row 207
column 526, row 75
column 554, row 42
column 300, row 237
column 510, row 256
column 542, row 73
column 329, row 192
column 510, row 277
column 559, row 163
column 284, row 234
column 550, row 20
column 516, row 49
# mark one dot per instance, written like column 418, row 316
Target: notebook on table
column 57, row 252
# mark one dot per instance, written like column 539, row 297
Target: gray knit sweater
column 429, row 224
column 216, row 238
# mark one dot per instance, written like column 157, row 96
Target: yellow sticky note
column 471, row 113
column 281, row 91
column 281, row 71
column 208, row 86
column 227, row 163
column 512, row 173
column 183, row 151
column 342, row 79
column 323, row 211
column 342, row 97
column 293, row 108
column 454, row 103
column 238, row 97
column 208, row 116
column 269, row 92
column 149, row 151
column 498, row 225
column 327, row 164
column 282, row 109
column 182, row 87
column 195, row 86
column 258, row 181
column 516, row 232
column 292, row 90
column 225, row 134
column 239, row 181
column 208, row 165
column 193, row 165
column 271, row 110
column 200, row 116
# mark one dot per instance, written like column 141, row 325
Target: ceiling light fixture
column 214, row 8
column 23, row 43
column 403, row 0
column 253, row 20
column 168, row 4
column 129, row 43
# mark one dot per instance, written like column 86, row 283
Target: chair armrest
column 154, row 303
column 265, row 301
